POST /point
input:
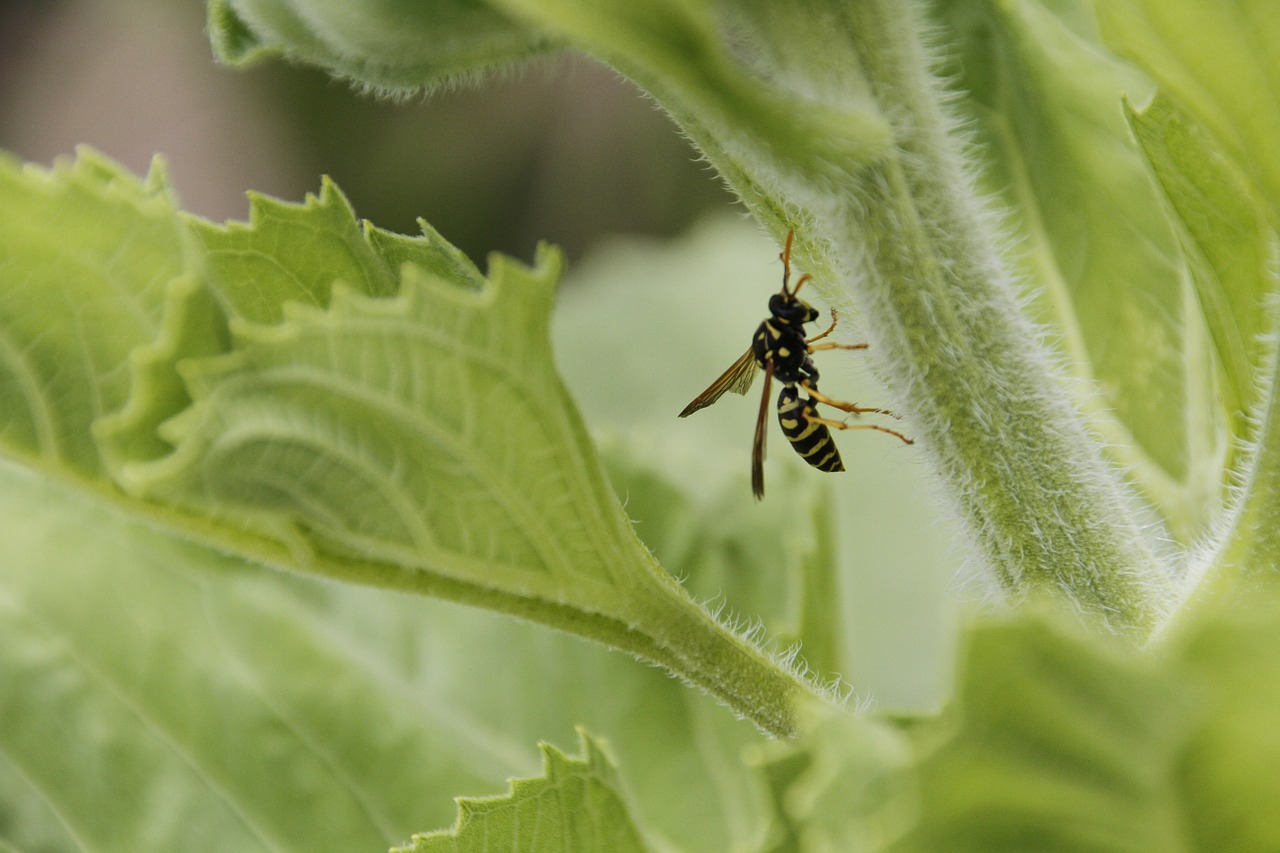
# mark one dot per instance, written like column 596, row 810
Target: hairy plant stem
column 913, row 246
column 1046, row 512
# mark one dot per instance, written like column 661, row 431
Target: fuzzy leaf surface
column 90, row 257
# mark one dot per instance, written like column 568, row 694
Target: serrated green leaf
column 575, row 806
column 384, row 414
column 90, row 261
column 192, row 326
column 292, row 253
column 1220, row 62
column 1228, row 237
column 394, row 46
column 439, row 407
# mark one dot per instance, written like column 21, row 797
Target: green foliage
column 381, row 412
column 574, row 806
column 379, row 46
column 1227, row 245
column 1112, row 278
column 184, row 402
column 1080, row 745
column 74, row 319
column 1184, row 48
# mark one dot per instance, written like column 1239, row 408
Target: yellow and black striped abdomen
column 812, row 440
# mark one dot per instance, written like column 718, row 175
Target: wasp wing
column 757, row 444
column 737, row 378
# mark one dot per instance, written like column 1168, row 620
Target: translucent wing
column 737, row 378
column 757, row 444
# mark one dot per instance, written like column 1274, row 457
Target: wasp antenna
column 786, row 261
column 800, row 284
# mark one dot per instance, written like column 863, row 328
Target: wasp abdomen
column 809, row 438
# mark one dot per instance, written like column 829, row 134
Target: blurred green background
column 562, row 150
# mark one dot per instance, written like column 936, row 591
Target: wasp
column 782, row 351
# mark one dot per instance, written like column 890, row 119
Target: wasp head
column 789, row 310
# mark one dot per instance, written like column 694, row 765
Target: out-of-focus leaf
column 158, row 696
column 1053, row 740
column 1225, row 771
column 391, row 46
column 1227, row 238
column 846, row 784
column 1062, row 741
column 1220, row 62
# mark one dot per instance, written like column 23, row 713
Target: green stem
column 1047, row 513
column 662, row 626
column 651, row 616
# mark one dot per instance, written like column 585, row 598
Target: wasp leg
column 842, row 425
column 785, row 257
column 837, row 346
column 829, row 330
column 842, row 406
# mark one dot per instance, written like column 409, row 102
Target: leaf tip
column 234, row 42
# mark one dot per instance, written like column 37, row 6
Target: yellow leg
column 842, row 406
column 837, row 346
column 842, row 425
column 829, row 330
